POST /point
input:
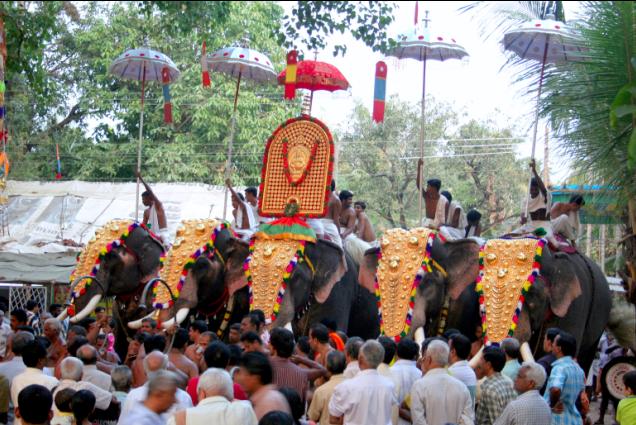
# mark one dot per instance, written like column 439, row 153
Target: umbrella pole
column 228, row 166
column 141, row 133
column 536, row 116
column 422, row 130
column 311, row 101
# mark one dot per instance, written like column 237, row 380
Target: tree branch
column 73, row 115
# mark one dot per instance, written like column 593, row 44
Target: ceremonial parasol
column 423, row 46
column 546, row 41
column 143, row 65
column 239, row 62
column 315, row 75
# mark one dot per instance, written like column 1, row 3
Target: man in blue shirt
column 566, row 382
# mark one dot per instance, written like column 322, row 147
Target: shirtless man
column 251, row 197
column 331, row 221
column 347, row 218
column 244, row 219
column 364, row 229
column 177, row 357
column 565, row 218
column 57, row 350
column 539, row 201
column 435, row 203
column 154, row 215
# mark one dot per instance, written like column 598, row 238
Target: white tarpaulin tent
column 41, row 215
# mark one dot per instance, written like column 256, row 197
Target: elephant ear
column 561, row 282
column 368, row 269
column 236, row 251
column 329, row 266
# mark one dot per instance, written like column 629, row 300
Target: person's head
column 473, row 217
column 33, row 306
column 53, row 329
column 407, row 349
column 352, row 348
column 146, row 199
column 282, row 342
column 576, row 202
column 55, row 309
column 436, row 356
column 216, row 355
column 63, row 400
column 251, row 342
column 77, row 343
column 302, row 347
column 73, row 332
column 251, row 195
column 531, row 376
column 564, row 345
column 254, row 372
column 121, row 378
column 371, row 355
column 360, row 207
column 205, row 339
column 331, row 324
column 148, row 325
column 427, row 342
column 492, row 361
column 197, row 328
column 71, row 368
column 390, row 347
column 162, row 387
column 180, row 339
column 346, row 198
column 318, row 335
column 250, row 323
column 215, row 382
column 87, row 354
column 237, row 199
column 629, row 380
column 155, row 362
column 433, row 186
column 534, row 187
column 34, row 354
column 234, row 336
column 296, row 404
column 100, row 312
column 154, row 343
column 82, row 404
column 20, row 340
column 548, row 340
column 459, row 346
column 235, row 355
column 511, row 348
column 18, row 318
column 447, row 195
column 336, row 362
column 277, row 417
column 34, row 405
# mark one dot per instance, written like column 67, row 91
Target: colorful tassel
column 58, row 175
column 167, row 106
column 379, row 92
column 205, row 71
column 290, row 75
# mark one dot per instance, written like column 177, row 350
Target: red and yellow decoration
column 297, row 169
column 404, row 259
column 167, row 104
column 205, row 70
column 290, row 75
column 507, row 270
column 379, row 91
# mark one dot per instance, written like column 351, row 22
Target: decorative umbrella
column 314, row 75
column 143, row 65
column 546, row 41
column 239, row 62
column 422, row 46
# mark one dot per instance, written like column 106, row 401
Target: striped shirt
column 496, row 393
column 285, row 373
column 528, row 409
column 568, row 377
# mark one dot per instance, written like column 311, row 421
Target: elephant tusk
column 180, row 317
column 526, row 352
column 62, row 315
column 136, row 324
column 288, row 326
column 90, row 307
column 419, row 336
column 473, row 362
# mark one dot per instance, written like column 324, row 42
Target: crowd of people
column 71, row 375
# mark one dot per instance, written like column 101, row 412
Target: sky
column 477, row 85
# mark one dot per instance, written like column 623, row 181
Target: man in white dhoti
column 245, row 223
column 565, row 218
column 327, row 227
column 154, row 215
column 455, row 225
column 435, row 201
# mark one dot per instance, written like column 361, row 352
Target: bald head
column 87, row 354
column 71, row 368
column 155, row 362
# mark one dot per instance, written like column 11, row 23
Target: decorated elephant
column 117, row 262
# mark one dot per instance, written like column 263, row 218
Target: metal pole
column 141, row 133
column 546, row 158
column 602, row 246
column 422, row 131
column 228, row 166
column 588, row 241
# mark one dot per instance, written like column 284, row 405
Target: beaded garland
column 298, row 256
column 535, row 273
column 425, row 268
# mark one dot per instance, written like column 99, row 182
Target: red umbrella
column 314, row 75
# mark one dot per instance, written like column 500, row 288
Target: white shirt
column 12, row 368
column 438, row 398
column 138, row 396
column 366, row 399
column 220, row 411
column 94, row 376
column 141, row 415
column 406, row 373
column 462, row 371
column 102, row 398
column 30, row 376
column 5, row 331
column 351, row 370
